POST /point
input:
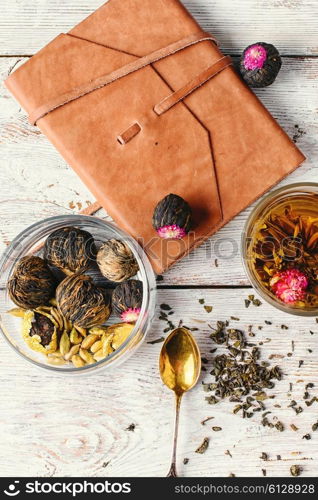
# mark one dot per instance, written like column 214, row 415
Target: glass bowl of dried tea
column 56, row 304
column 280, row 248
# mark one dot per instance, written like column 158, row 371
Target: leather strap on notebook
column 194, row 84
column 118, row 73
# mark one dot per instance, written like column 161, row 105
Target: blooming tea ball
column 127, row 300
column 81, row 302
column 260, row 64
column 70, row 249
column 32, row 283
column 172, row 217
column 116, row 261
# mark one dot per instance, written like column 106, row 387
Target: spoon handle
column 173, row 471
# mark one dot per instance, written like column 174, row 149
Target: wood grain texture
column 77, row 431
column 292, row 25
column 37, row 183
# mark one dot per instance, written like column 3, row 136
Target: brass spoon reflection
column 180, row 367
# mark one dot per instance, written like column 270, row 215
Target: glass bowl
column 286, row 194
column 30, row 242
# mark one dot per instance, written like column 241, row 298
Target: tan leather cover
column 218, row 148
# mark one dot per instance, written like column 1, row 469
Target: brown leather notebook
column 142, row 103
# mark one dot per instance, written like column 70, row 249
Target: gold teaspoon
column 180, row 367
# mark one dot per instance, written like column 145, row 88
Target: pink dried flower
column 130, row 315
column 255, row 57
column 173, row 232
column 289, row 286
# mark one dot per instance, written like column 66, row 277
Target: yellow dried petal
column 98, row 330
column 53, row 302
column 98, row 356
column 54, row 360
column 86, row 356
column 57, row 316
column 17, row 312
column 96, row 346
column 89, row 340
column 121, row 332
column 65, row 344
column 107, row 344
column 81, row 330
column 74, row 350
column 75, row 337
column 78, row 361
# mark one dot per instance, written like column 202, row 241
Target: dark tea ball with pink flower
column 260, row 64
column 289, row 286
column 127, row 300
column 172, row 218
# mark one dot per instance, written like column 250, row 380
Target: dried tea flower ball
column 32, row 283
column 127, row 300
column 81, row 302
column 70, row 249
column 116, row 261
column 40, row 331
column 172, row 217
column 260, row 64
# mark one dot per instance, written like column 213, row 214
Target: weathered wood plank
column 36, row 182
column 76, row 432
column 292, row 25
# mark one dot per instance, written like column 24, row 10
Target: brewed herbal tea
column 282, row 250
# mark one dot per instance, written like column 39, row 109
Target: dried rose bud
column 289, row 286
column 81, row 302
column 32, row 283
column 127, row 300
column 260, row 64
column 70, row 249
column 172, row 217
column 116, row 261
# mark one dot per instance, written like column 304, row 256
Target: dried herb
column 301, row 362
column 208, row 309
column 156, row 341
column 247, row 303
column 313, row 400
column 70, row 249
column 295, row 470
column 204, row 446
column 264, row 456
column 228, row 453
column 165, row 307
column 293, row 427
column 81, row 302
column 32, row 284
column 201, row 301
column 264, row 472
column 131, row 427
column 307, row 437
column 315, row 426
column 116, row 261
column 185, row 461
column 238, row 372
column 216, row 429
column 206, row 420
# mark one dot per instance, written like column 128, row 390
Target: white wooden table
column 79, row 427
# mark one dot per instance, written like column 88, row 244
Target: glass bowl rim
column 261, row 204
column 148, row 278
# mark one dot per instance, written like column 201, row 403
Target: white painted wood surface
column 44, row 432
